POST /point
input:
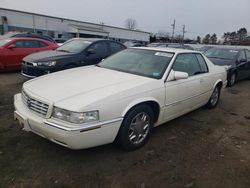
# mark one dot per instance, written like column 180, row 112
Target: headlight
column 49, row 63
column 227, row 67
column 75, row 117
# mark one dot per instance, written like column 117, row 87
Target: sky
column 200, row 17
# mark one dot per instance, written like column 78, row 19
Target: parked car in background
column 205, row 48
column 73, row 53
column 29, row 35
column 122, row 98
column 171, row 45
column 133, row 44
column 237, row 62
column 13, row 50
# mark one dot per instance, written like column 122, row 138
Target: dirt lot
column 205, row 148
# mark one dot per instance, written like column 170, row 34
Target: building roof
column 36, row 14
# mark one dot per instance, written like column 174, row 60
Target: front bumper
column 80, row 137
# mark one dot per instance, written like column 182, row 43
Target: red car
column 13, row 50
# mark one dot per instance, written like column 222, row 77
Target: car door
column 21, row 48
column 96, row 52
column 186, row 94
column 248, row 62
column 242, row 66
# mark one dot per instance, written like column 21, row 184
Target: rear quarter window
column 115, row 47
column 202, row 63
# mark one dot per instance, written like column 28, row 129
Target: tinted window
column 187, row 63
column 203, row 64
column 74, row 46
column 242, row 55
column 100, row 48
column 42, row 44
column 27, row 44
column 115, row 47
column 248, row 55
column 221, row 53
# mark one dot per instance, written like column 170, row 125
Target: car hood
column 84, row 86
column 218, row 61
column 50, row 55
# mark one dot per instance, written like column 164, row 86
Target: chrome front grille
column 27, row 63
column 35, row 105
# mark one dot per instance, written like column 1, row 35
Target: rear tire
column 136, row 128
column 232, row 80
column 214, row 99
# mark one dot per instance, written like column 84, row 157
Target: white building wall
column 60, row 25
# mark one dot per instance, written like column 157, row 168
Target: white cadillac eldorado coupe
column 120, row 99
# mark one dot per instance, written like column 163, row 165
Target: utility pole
column 173, row 25
column 183, row 33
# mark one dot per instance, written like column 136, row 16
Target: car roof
column 230, row 48
column 164, row 49
column 89, row 39
column 28, row 38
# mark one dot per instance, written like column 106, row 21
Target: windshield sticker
column 156, row 74
column 164, row 54
column 234, row 51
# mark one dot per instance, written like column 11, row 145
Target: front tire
column 136, row 128
column 214, row 99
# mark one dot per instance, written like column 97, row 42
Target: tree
column 233, row 37
column 241, row 35
column 162, row 34
column 130, row 24
column 213, row 39
column 198, row 39
column 206, row 39
column 226, row 37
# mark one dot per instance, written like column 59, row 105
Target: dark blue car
column 237, row 62
column 73, row 53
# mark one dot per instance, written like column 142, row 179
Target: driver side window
column 187, row 63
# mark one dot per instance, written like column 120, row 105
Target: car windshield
column 74, row 46
column 228, row 54
column 4, row 41
column 140, row 62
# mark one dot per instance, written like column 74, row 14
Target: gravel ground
column 205, row 148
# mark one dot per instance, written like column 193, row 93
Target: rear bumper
column 80, row 137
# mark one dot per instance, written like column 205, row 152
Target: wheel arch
column 151, row 102
column 218, row 82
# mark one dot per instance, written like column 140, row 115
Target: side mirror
column 180, row 75
column 11, row 46
column 90, row 51
column 177, row 75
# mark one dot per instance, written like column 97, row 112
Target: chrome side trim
column 26, row 75
column 180, row 101
column 82, row 128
